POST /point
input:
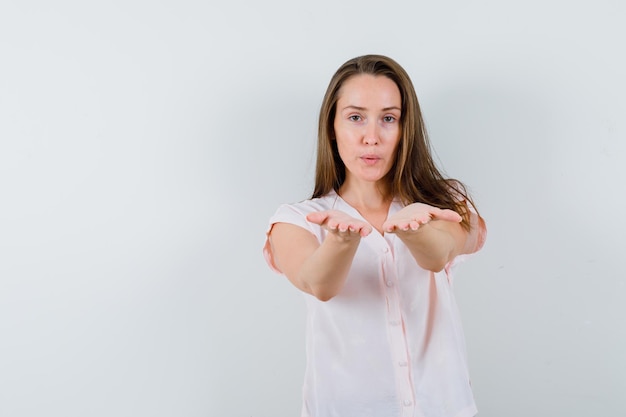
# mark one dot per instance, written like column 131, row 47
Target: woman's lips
column 370, row 159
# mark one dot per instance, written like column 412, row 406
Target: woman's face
column 367, row 126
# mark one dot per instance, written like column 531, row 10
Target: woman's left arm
column 435, row 236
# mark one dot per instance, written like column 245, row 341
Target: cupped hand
column 415, row 215
column 339, row 223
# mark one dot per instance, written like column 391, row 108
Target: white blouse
column 390, row 344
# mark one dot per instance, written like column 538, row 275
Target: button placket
column 396, row 331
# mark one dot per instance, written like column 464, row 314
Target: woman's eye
column 389, row 119
column 355, row 118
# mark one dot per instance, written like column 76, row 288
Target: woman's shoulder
column 295, row 213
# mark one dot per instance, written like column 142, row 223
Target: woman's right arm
column 318, row 269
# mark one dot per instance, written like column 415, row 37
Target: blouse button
column 407, row 403
column 390, row 283
column 385, row 249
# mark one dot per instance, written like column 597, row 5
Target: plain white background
column 145, row 144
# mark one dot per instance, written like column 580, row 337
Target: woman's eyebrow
column 363, row 108
column 354, row 108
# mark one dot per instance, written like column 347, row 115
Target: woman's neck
column 365, row 197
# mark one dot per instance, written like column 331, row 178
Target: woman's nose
column 371, row 134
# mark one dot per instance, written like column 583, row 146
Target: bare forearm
column 431, row 246
column 325, row 271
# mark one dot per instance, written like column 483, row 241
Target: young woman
column 372, row 250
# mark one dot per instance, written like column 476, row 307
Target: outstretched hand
column 415, row 215
column 340, row 224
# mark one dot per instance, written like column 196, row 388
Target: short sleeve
column 478, row 231
column 292, row 214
